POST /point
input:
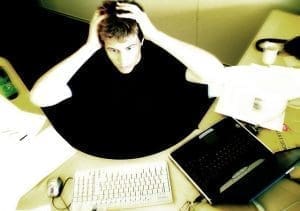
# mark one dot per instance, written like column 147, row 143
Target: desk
column 278, row 24
column 183, row 190
column 24, row 163
column 281, row 25
column 22, row 101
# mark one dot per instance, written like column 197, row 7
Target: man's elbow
column 205, row 74
column 37, row 99
column 44, row 98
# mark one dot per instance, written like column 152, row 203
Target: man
column 130, row 78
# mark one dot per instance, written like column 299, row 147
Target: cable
column 60, row 208
column 258, row 44
column 188, row 204
column 66, row 206
column 200, row 198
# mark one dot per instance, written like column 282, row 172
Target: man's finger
column 127, row 15
column 128, row 7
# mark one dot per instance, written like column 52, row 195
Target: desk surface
column 22, row 101
column 278, row 24
column 23, row 162
column 282, row 25
column 183, row 190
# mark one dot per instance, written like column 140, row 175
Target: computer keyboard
column 233, row 152
column 126, row 186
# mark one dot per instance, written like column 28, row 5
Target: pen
column 22, row 138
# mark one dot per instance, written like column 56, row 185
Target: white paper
column 256, row 94
column 24, row 163
column 257, row 110
column 16, row 124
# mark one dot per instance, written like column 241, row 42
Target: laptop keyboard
column 228, row 156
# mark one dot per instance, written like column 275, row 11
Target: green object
column 7, row 89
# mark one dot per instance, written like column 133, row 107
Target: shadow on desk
column 285, row 196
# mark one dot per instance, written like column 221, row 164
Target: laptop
column 228, row 164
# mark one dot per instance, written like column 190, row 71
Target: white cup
column 269, row 56
column 270, row 51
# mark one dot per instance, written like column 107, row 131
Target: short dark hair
column 115, row 27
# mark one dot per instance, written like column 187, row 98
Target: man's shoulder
column 156, row 55
column 97, row 60
column 99, row 56
column 151, row 48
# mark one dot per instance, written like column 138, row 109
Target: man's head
column 121, row 37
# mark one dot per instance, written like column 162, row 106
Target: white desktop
column 29, row 147
column 46, row 152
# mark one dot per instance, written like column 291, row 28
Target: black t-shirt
column 117, row 115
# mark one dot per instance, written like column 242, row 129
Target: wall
column 225, row 28
column 161, row 12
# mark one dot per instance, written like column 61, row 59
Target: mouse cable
column 188, row 204
column 66, row 206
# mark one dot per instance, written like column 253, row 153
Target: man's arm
column 51, row 88
column 202, row 65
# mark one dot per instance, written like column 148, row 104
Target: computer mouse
column 54, row 187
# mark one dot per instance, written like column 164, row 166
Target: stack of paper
column 16, row 124
column 27, row 154
column 256, row 94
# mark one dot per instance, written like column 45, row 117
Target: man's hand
column 139, row 16
column 93, row 39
